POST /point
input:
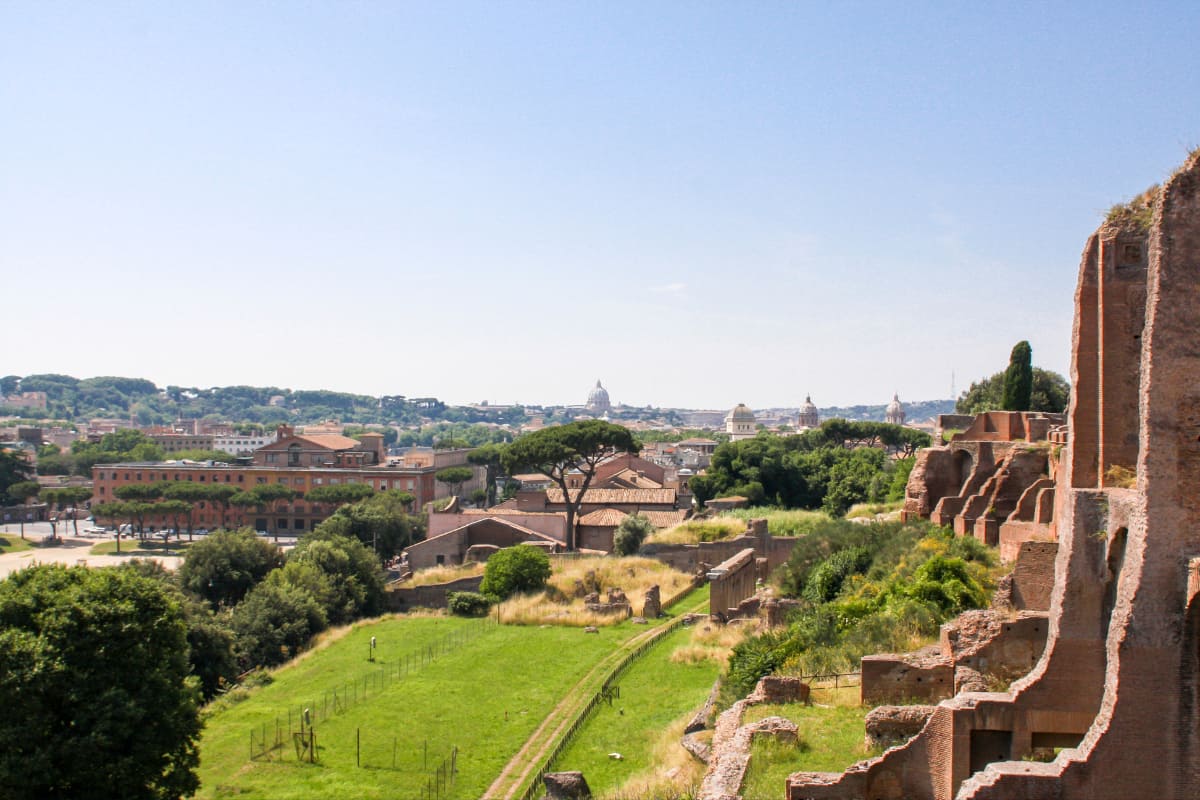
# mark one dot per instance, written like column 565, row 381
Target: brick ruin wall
column 1118, row 685
column 732, row 581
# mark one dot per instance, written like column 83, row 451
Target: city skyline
column 702, row 205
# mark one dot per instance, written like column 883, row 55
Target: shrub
column 630, row 534
column 468, row 604
column 523, row 568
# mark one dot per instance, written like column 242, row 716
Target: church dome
column 895, row 411
column 808, row 416
column 740, row 413
column 598, row 399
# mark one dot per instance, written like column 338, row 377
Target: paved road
column 68, row 551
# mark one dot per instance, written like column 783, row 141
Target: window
column 281, row 524
column 283, row 481
column 441, row 559
column 293, row 455
column 260, row 480
column 139, row 476
column 241, row 478
column 298, row 481
column 203, row 478
column 299, row 525
column 272, row 458
column 227, row 477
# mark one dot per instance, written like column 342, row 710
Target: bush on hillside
column 523, row 568
column 468, row 604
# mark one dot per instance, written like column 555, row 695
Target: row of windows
column 380, row 484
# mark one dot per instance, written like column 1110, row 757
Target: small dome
column 894, row 406
column 808, row 416
column 740, row 413
column 808, row 405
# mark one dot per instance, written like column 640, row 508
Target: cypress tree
column 1018, row 378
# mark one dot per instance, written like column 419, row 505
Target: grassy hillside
column 485, row 696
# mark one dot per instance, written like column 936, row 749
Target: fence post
column 358, row 747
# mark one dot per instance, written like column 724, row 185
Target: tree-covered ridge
column 73, row 398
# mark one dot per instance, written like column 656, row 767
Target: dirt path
column 538, row 746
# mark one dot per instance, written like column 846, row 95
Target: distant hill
column 73, row 398
column 919, row 411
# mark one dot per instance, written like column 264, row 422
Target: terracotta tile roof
column 629, row 478
column 695, row 441
column 611, row 517
column 665, row 519
column 333, row 441
column 531, row 477
column 603, row 517
column 500, row 512
column 617, row 496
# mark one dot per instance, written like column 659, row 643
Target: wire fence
column 268, row 739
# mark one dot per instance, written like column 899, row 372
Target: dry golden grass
column 703, row 530
column 674, row 774
column 432, row 575
column 559, row 606
column 711, row 642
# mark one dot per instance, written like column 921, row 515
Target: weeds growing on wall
column 882, row 587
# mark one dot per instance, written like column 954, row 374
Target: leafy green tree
column 274, row 622
column 630, row 534
column 187, row 492
column 1050, row 392
column 454, row 477
column 381, row 522
column 225, row 565
column 112, row 510
column 523, row 568
column 339, row 494
column 220, row 496
column 13, row 469
column 488, row 456
column 577, row 447
column 96, row 694
column 22, row 492
column 1018, row 378
column 122, row 445
column 356, row 583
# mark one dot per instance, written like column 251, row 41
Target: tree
column 454, row 477
column 274, row 622
column 488, row 456
column 138, row 499
column 523, row 568
column 565, row 449
column 355, row 580
column 187, row 492
column 339, row 494
column 382, row 522
column 1050, row 393
column 224, row 566
column 220, row 497
column 96, row 694
column 1018, row 378
column 22, row 492
column 13, row 469
column 630, row 534
column 114, row 511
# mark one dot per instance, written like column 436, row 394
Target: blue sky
column 699, row 203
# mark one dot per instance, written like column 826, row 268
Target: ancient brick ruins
column 1118, row 685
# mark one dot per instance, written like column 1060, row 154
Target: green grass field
column 831, row 739
column 14, row 544
column 485, row 697
column 654, row 692
column 150, row 547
